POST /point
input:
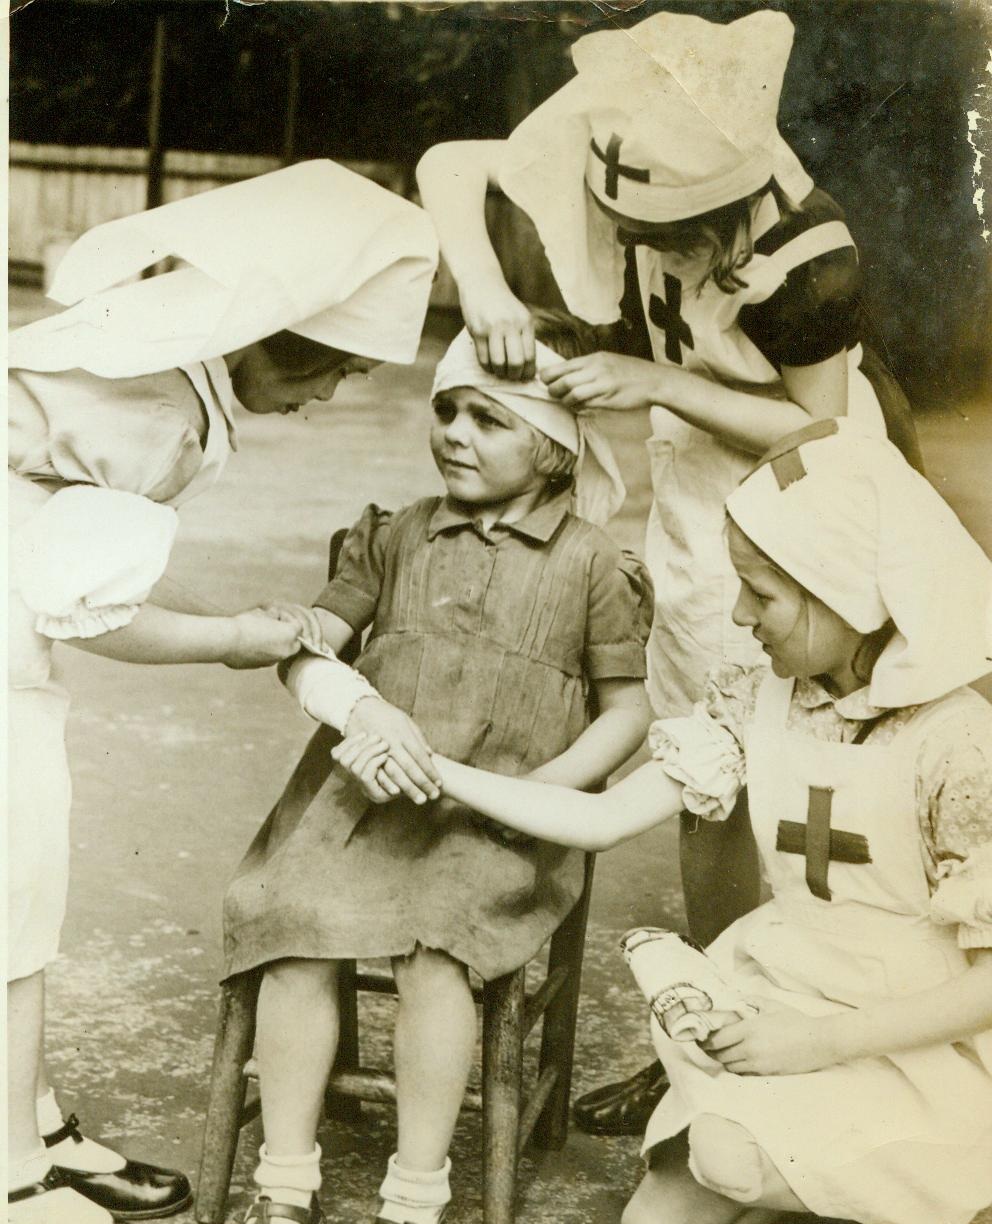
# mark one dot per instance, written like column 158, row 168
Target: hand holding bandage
column 687, row 996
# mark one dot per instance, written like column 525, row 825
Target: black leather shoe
column 624, row 1108
column 136, row 1192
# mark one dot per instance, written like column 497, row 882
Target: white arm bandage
column 327, row 689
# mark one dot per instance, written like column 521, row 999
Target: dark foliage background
column 875, row 103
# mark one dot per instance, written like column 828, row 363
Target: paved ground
column 176, row 767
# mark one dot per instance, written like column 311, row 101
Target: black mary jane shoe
column 624, row 1108
column 54, row 1179
column 136, row 1192
column 264, row 1210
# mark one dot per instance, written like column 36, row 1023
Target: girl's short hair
column 296, row 355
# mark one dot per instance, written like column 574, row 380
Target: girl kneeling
column 862, row 1089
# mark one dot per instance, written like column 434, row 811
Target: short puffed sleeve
column 138, row 435
column 954, row 791
column 704, row 750
column 85, row 561
column 618, row 616
column 353, row 592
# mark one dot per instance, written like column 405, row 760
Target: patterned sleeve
column 704, row 751
column 353, row 592
column 954, row 801
column 618, row 619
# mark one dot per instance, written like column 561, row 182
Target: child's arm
column 608, row 741
column 751, row 422
column 158, row 635
column 453, row 180
column 643, row 799
column 780, row 1041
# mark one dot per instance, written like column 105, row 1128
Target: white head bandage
column 843, row 513
column 669, row 119
column 314, row 248
column 599, row 487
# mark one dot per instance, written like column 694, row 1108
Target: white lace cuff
column 327, row 689
column 964, row 896
column 704, row 757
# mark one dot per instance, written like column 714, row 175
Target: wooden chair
column 509, row 1013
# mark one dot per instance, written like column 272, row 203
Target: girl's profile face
column 484, row 452
column 262, row 386
column 801, row 635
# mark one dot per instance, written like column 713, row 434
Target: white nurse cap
column 313, row 248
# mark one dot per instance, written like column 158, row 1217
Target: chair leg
column 232, row 1049
column 502, row 1065
column 558, row 1028
column 342, row 1108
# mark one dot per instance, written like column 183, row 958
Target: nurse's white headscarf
column 843, row 513
column 599, row 490
column 669, row 119
column 314, row 248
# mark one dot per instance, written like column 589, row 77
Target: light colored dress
column 94, row 467
column 798, row 306
column 898, row 1139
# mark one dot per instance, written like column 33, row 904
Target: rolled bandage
column 687, row 996
column 327, row 689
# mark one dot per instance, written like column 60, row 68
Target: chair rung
column 535, row 1103
column 380, row 981
column 368, row 1084
column 537, row 1003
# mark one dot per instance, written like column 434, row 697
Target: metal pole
column 292, row 106
column 156, row 154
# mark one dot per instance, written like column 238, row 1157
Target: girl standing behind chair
column 496, row 613
column 862, row 1089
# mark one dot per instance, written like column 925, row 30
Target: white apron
column 904, row 1139
column 693, row 472
column 39, row 786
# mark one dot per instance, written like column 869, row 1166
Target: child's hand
column 259, row 640
column 308, row 627
column 777, row 1041
column 409, row 765
column 607, row 380
column 364, row 757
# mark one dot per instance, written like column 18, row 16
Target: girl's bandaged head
column 314, row 249
column 841, row 512
column 599, row 490
column 672, row 118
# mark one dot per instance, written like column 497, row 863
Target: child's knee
column 725, row 1158
column 302, row 977
column 427, row 969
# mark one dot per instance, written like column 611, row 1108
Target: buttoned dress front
column 489, row 642
column 900, row 1138
column 122, row 450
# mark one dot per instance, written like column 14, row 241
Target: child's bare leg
column 296, row 1039
column 434, row 1047
column 669, row 1194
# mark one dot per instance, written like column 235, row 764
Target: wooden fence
column 58, row 192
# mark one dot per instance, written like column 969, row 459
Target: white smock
column 693, row 471
column 83, row 559
column 899, row 1139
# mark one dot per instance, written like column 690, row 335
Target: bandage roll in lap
column 687, row 996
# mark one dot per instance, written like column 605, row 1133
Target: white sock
column 413, row 1196
column 74, row 1152
column 32, row 1168
column 288, row 1179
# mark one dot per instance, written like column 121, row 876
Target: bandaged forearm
column 327, row 689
